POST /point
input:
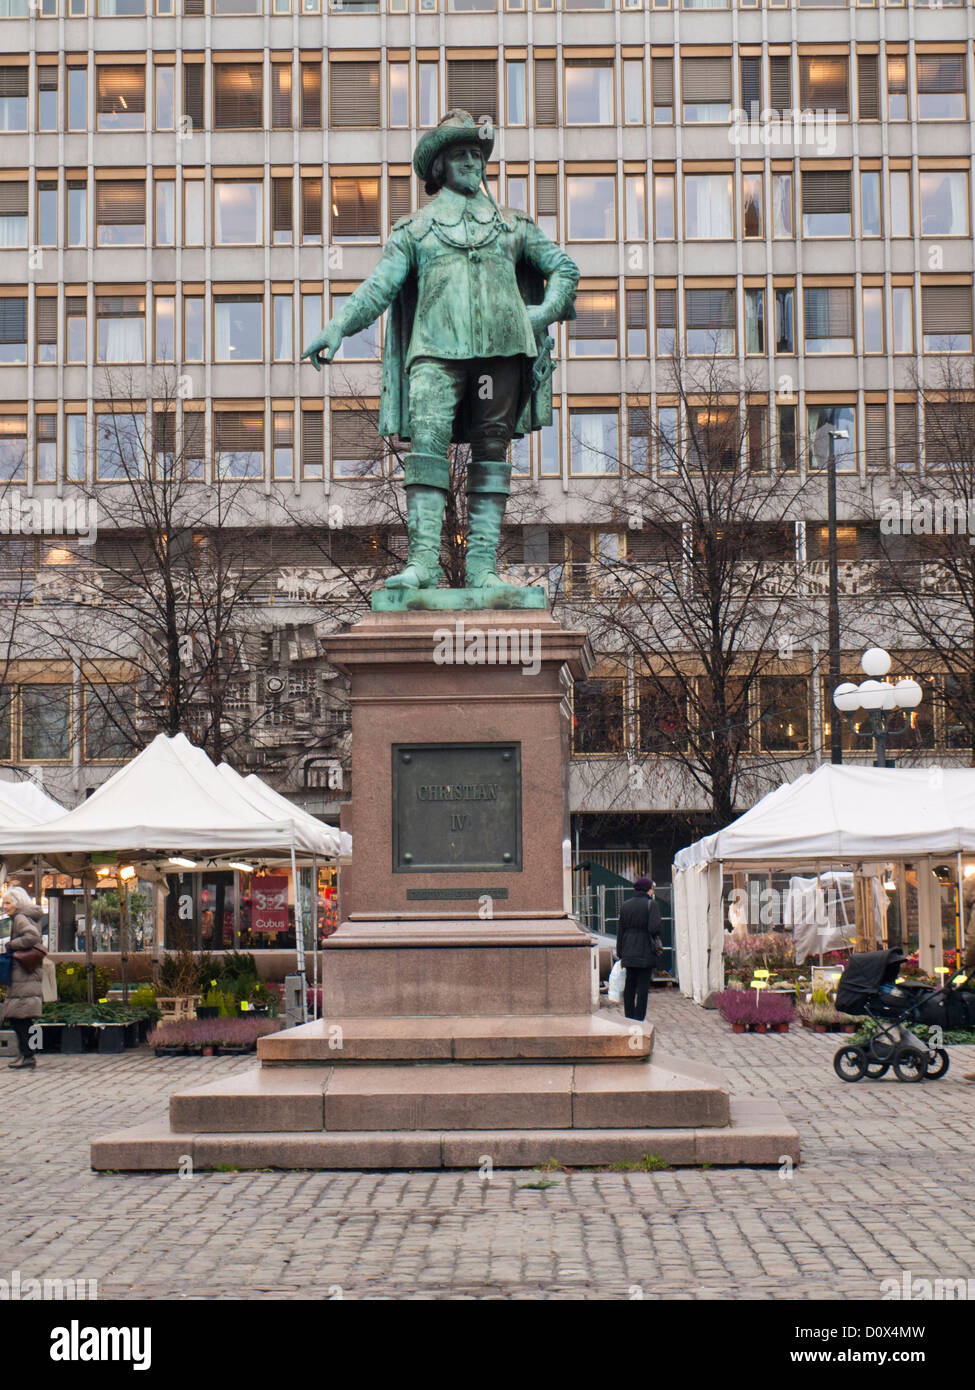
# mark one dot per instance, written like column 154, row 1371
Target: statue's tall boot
column 488, row 485
column 424, row 512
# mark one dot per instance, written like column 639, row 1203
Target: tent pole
column 123, row 936
column 960, row 933
column 299, row 934
column 314, row 935
column 89, row 957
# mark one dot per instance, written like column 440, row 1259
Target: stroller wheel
column 850, row 1063
column 910, row 1065
column 938, row 1062
column 875, row 1070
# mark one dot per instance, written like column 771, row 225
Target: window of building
column 785, row 320
column 832, row 427
column 120, row 211
column 598, row 715
column 710, row 321
column 636, row 323
column 165, row 330
column 752, row 205
column 546, row 103
column 665, row 314
column 353, row 97
column 828, row 315
column 47, row 214
column 594, row 442
column 868, row 87
column 472, row 84
column 283, row 442
column 238, row 96
column 45, row 723
column 282, row 315
column 194, row 319
column 517, row 193
column 109, row 727
column 13, row 329
column 239, row 443
column 902, row 313
column 946, row 318
column 706, row 87
column 13, row 96
column 784, row 717
column 516, row 92
column 399, row 94
column 785, row 438
column 875, row 419
column 870, row 220
column 547, row 204
column 900, row 203
column 780, row 83
column 356, row 448
column 77, row 219
column 635, row 200
column 13, row 442
column 163, row 443
column 194, row 444
column 633, row 89
column 47, row 97
column 663, row 207
column 708, row 207
column 121, row 97
column 355, row 209
column 662, row 90
column 592, row 207
column 193, row 212
column 594, row 331
column 668, row 439
column 944, row 202
column 638, row 438
column 948, row 433
column 121, row 447
column 782, row 220
column 750, row 90
column 76, row 449
column 45, row 447
column 76, row 331
column 238, row 328
column 282, row 214
column 165, row 212
column 281, row 103
column 428, row 94
column 13, row 213
column 897, row 108
column 238, row 212
column 588, row 91
column 663, row 722
column 824, row 83
column 120, row 328
column 77, row 98
column 358, row 347
column 873, row 318
column 905, row 436
column 941, row 88
column 46, row 327
column 311, row 211
column 194, row 90
column 754, row 321
column 756, row 438
column 119, row 9
column 311, row 316
column 165, row 97
column 313, row 444
column 826, row 203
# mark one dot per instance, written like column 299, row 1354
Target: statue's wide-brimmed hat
column 457, row 128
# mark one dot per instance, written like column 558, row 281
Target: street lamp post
column 833, row 611
column 880, row 699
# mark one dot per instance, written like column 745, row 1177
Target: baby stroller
column 868, row 987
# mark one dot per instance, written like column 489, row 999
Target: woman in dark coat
column 25, row 1000
column 639, row 923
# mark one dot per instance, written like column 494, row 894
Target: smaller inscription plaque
column 456, row 807
column 419, row 895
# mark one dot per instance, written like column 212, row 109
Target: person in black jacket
column 638, row 947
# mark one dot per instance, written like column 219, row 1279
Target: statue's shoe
column 484, row 580
column 416, row 575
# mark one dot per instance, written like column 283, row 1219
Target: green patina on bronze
column 471, row 289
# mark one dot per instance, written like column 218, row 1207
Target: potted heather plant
column 737, row 1007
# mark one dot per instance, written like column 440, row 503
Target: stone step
column 758, row 1135
column 456, row 1096
column 569, row 1037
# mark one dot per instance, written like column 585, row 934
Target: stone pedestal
column 460, row 996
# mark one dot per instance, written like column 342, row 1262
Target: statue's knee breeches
column 435, row 390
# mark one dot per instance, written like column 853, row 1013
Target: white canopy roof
column 172, row 798
column 841, row 813
column 23, row 803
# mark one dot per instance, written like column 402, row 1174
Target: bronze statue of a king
column 473, row 289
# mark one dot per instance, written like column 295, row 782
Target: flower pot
column 72, row 1038
column 208, row 1052
column 781, row 1027
column 738, row 1028
column 761, row 1027
column 110, row 1037
column 819, row 1027
column 173, row 1050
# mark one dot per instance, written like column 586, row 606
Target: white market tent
column 837, row 816
column 23, row 803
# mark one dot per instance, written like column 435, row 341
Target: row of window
column 772, row 714
column 862, row 437
column 37, row 722
column 836, row 318
column 120, row 9
column 584, row 91
column 713, row 206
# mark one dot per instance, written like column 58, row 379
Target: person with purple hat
column 639, row 947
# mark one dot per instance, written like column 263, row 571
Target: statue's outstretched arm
column 372, row 297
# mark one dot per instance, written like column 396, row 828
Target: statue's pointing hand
column 330, row 339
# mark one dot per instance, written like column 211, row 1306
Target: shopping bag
column 617, row 979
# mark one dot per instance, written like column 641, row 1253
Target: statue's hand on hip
column 324, row 347
column 538, row 319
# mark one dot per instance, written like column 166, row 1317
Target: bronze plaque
column 456, row 807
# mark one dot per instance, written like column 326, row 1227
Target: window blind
column 311, row 97
column 13, row 199
column 13, row 81
column 706, row 80
column 311, row 207
column 546, row 106
column 472, row 84
column 357, row 201
column 876, row 416
column 115, row 84
column 238, row 96
column 239, row 431
column 281, row 96
column 826, row 190
column 46, row 317
column 708, row 309
column 595, row 315
column 824, row 84
column 281, row 204
column 636, row 309
column 312, row 440
column 399, row 197
column 751, row 83
column 665, row 308
column 662, row 79
column 905, row 434
column 353, row 435
column 868, row 87
column 13, row 320
column 946, row 309
column 829, row 312
column 941, row 72
column 194, row 77
column 780, row 82
column 546, row 195
column 120, row 204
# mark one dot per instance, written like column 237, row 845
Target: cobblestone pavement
column 887, row 1175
